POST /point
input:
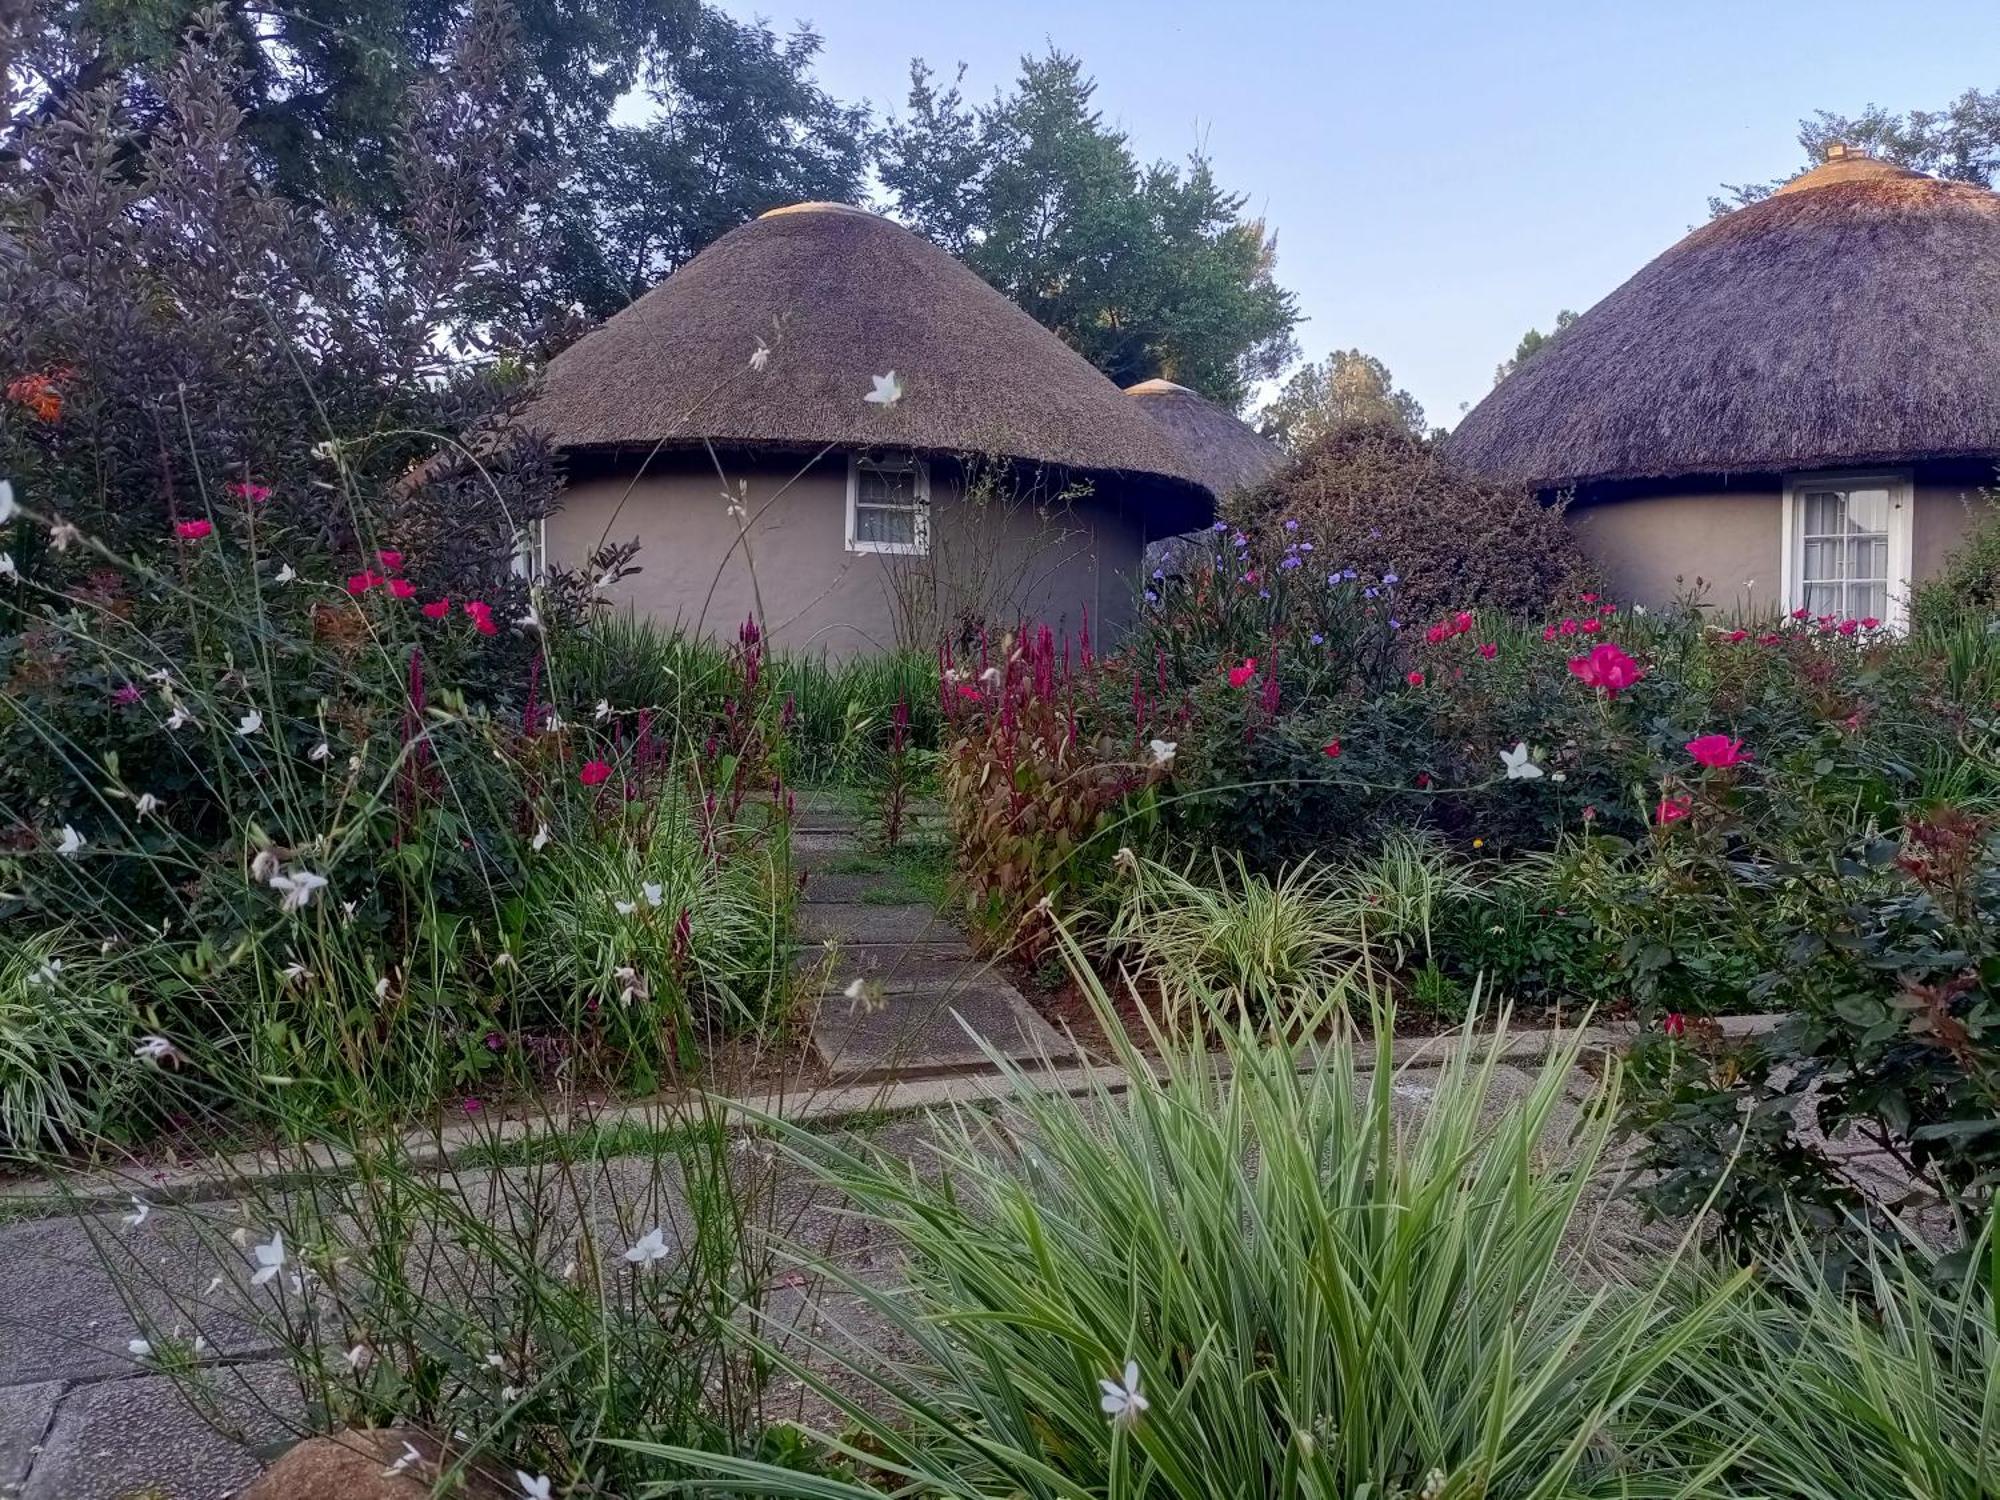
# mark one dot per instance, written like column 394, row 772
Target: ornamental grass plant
column 1281, row 1269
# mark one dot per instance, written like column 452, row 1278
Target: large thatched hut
column 827, row 420
column 1797, row 403
column 1216, row 446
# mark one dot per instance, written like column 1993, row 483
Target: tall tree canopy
column 738, row 121
column 1960, row 141
column 1145, row 270
column 1346, row 389
column 1533, row 342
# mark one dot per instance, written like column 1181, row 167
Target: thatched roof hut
column 733, row 422
column 840, row 295
column 1853, row 317
column 1218, row 447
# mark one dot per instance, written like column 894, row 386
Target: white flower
column 324, row 451
column 286, row 574
column 360, row 1357
column 270, row 1258
column 529, row 623
column 653, row 892
column 1122, row 1400
column 634, row 985
column 503, row 960
column 760, row 356
column 1433, row 1485
column 1559, row 776
column 63, row 536
column 410, row 1456
column 298, row 889
column 1163, row 751
column 886, row 390
column 541, row 839
column 649, row 1247
column 147, row 805
column 264, row 866
column 865, row 996
column 48, row 973
column 533, row 1486
column 382, row 988
column 602, row 711
column 496, row 1361
column 72, row 842
column 179, row 717
column 138, row 1348
column 161, row 675
column 990, row 677
column 321, row 752
column 8, row 509
column 250, row 723
column 294, row 972
column 1519, row 767
column 141, row 1211
column 602, row 582
column 7, row 568
column 624, row 908
column 156, row 1049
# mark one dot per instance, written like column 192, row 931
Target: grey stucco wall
column 998, row 558
column 1653, row 549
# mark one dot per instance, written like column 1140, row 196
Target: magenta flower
column 594, row 773
column 1607, row 668
column 249, row 491
column 1718, row 751
column 193, row 531
column 1672, row 810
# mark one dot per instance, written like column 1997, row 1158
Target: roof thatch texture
column 840, row 296
column 1851, row 318
column 1219, row 448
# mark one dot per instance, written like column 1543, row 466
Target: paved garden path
column 902, row 995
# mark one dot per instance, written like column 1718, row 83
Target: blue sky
column 1443, row 176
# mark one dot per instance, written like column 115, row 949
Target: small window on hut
column 1847, row 548
column 888, row 504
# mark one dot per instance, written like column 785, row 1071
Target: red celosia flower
column 1240, row 675
column 1415, row 679
column 249, row 491
column 1717, row 751
column 390, row 559
column 1673, row 1023
column 1489, row 649
column 594, row 773
column 192, row 531
column 360, row 583
column 1607, row 667
column 1672, row 810
column 1331, row 749
column 437, row 609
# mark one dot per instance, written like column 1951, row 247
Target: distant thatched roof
column 1851, row 318
column 1219, row 448
column 840, row 295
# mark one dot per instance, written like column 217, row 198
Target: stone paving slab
column 861, row 922
column 857, row 887
column 118, row 1439
column 25, row 1413
column 914, row 1029
column 944, row 961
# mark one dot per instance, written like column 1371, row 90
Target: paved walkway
column 903, row 995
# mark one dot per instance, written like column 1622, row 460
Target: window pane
column 1867, row 601
column 890, row 486
column 1823, row 598
column 878, row 523
column 1868, row 557
column 1826, row 515
column 1822, row 561
column 1868, row 510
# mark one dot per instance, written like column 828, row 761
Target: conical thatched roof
column 1219, row 448
column 1851, row 318
column 840, row 296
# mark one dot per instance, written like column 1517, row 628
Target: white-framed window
column 531, row 551
column 1847, row 545
column 888, row 504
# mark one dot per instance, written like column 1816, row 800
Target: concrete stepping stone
column 861, row 922
column 913, row 1029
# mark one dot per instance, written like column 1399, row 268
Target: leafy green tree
column 1533, row 342
column 1960, row 141
column 1144, row 270
column 329, row 87
column 1346, row 389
